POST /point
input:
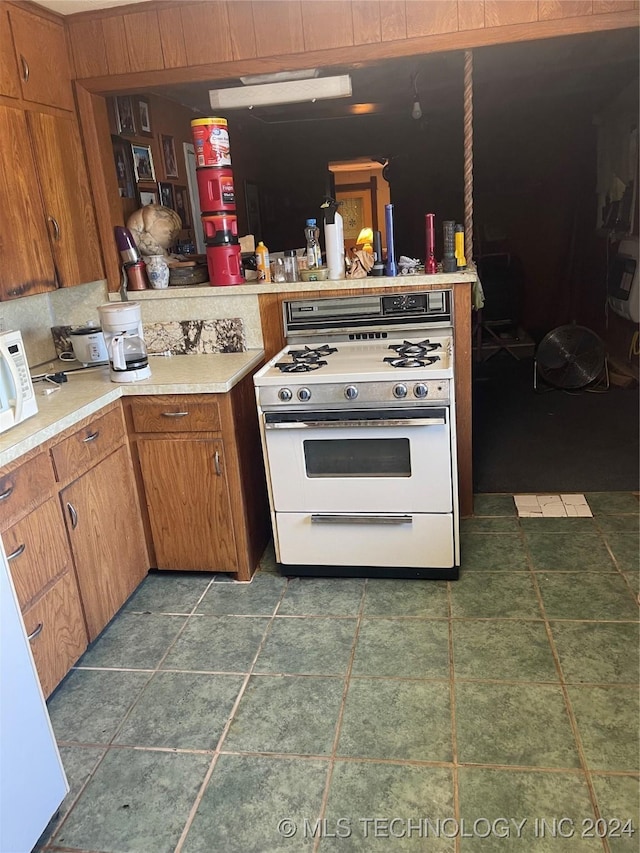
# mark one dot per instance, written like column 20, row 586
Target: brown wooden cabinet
column 187, row 496
column 25, row 254
column 9, row 83
column 46, row 202
column 68, row 205
column 105, row 531
column 41, row 566
column 43, row 62
column 200, row 469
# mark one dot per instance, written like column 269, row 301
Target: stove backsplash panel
column 195, row 337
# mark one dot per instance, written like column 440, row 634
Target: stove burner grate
column 415, row 350
column 299, row 366
column 310, row 355
column 411, row 361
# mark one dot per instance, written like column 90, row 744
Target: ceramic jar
column 157, row 271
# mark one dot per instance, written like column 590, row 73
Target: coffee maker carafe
column 122, row 328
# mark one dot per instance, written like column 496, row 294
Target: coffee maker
column 122, row 328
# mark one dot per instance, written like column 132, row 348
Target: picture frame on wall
column 169, row 156
column 123, row 160
column 143, row 163
column 148, row 197
column 166, row 194
column 125, row 119
column 182, row 205
column 144, row 117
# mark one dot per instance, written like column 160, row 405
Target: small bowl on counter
column 317, row 274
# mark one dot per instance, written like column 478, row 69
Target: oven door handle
column 328, row 518
column 392, row 422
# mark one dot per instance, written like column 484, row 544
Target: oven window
column 357, row 457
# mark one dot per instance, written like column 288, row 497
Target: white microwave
column 17, row 397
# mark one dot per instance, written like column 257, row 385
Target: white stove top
column 363, row 361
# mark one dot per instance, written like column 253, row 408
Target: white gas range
column 357, row 419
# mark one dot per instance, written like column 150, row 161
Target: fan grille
column 570, row 357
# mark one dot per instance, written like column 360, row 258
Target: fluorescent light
column 279, row 76
column 292, row 92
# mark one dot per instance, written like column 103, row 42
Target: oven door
column 359, row 461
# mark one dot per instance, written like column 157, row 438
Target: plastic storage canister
column 211, row 142
column 262, row 262
column 314, row 254
column 291, row 272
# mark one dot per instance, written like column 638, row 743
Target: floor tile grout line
column 207, row 777
column 338, row 727
column 570, row 713
column 453, row 719
column 108, row 745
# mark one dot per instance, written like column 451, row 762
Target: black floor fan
column 571, row 358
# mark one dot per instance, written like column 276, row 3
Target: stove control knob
column 351, row 392
column 400, row 391
column 285, row 395
column 304, row 394
column 420, row 390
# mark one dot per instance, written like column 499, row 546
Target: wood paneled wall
column 172, row 36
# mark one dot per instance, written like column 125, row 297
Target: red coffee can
column 216, row 191
column 225, row 265
column 220, row 229
column 211, row 142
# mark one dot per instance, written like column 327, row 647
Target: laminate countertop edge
column 88, row 391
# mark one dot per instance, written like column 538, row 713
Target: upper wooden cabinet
column 43, row 62
column 9, row 83
column 26, row 263
column 67, row 198
column 46, row 202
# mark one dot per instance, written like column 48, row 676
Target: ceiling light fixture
column 287, row 92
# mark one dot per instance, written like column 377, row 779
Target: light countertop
column 88, row 391
column 469, row 276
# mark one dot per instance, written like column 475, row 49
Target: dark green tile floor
column 340, row 714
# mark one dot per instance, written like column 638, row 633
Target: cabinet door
column 106, row 535
column 56, row 631
column 37, row 551
column 26, row 265
column 9, row 84
column 188, row 500
column 41, row 51
column 67, row 198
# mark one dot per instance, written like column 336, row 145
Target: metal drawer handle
column 73, row 515
column 216, row 462
column 361, row 519
column 37, row 630
column 25, row 69
column 174, row 414
column 91, row 437
column 7, row 493
column 56, row 227
column 19, row 550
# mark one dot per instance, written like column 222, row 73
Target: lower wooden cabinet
column 38, row 551
column 187, row 497
column 201, row 479
column 56, row 631
column 107, row 540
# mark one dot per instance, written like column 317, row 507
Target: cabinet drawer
column 37, row 550
column 57, row 632
column 88, row 445
column 25, row 488
column 175, row 414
